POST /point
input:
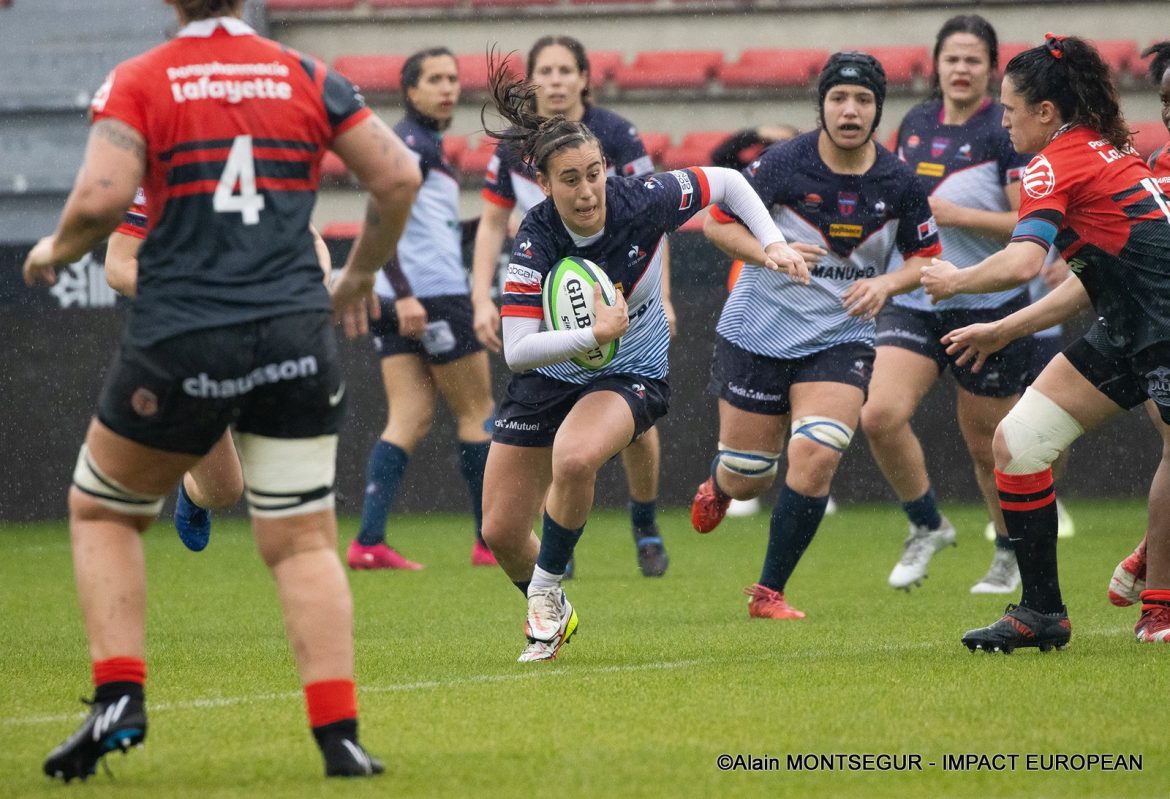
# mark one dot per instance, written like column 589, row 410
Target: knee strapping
column 824, row 431
column 91, row 481
column 287, row 476
column 1035, row 432
column 747, row 463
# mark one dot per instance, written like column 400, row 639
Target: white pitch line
column 483, row 679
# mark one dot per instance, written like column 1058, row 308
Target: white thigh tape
column 287, row 476
column 90, row 480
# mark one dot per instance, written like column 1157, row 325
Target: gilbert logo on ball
column 568, row 304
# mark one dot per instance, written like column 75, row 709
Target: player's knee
column 880, row 420
column 576, row 466
column 287, row 477
column 1033, row 434
column 746, row 473
column 408, row 431
column 94, row 491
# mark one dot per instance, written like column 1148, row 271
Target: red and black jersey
column 1159, row 164
column 235, row 127
column 1105, row 212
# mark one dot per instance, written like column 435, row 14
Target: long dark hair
column 412, row 71
column 573, row 46
column 1070, row 73
column 1161, row 53
column 535, row 138
column 206, row 9
column 973, row 24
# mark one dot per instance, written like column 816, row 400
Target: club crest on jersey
column 812, row 202
column 144, row 402
column 688, row 190
column 524, row 248
column 1039, row 178
column 847, row 202
column 1158, row 385
column 938, row 146
column 913, row 141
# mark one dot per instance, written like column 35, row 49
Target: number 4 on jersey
column 240, row 169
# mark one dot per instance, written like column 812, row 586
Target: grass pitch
column 664, row 676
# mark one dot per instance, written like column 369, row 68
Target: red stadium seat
column 473, row 70
column 475, row 159
column 901, row 63
column 309, row 5
column 602, row 65
column 1122, row 56
column 482, row 3
column 655, row 143
column 694, row 149
column 454, row 147
column 767, row 67
column 341, row 230
column 372, row 73
column 669, row 69
column 1148, row 136
column 412, row 3
column 333, row 167
column 1012, row 49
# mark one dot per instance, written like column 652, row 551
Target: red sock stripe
column 330, row 700
column 1035, row 504
column 1023, row 483
column 120, row 669
column 1156, row 595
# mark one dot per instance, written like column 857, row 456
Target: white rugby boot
column 917, row 551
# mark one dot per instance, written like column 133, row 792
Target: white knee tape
column 287, row 476
column 90, row 480
column 824, row 431
column 748, row 463
column 1035, row 431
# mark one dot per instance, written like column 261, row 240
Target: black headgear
column 856, row 69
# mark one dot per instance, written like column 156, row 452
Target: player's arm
column 489, row 241
column 1012, row 266
column 122, row 263
column 864, row 298
column 384, row 165
column 323, row 256
column 526, row 346
column 667, row 305
column 115, row 161
column 995, row 225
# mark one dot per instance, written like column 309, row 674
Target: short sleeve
column 134, row 220
column 763, row 175
column 917, row 228
column 497, row 179
column 669, row 199
column 120, row 97
column 530, row 262
column 344, row 104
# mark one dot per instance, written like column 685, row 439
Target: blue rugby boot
column 192, row 522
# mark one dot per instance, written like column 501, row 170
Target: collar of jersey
column 582, row 241
column 203, row 28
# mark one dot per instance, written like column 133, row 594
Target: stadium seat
column 341, row 230
column 694, row 149
column 1122, row 56
column 473, row 70
column 333, row 167
column 669, row 69
column 1148, row 135
column 602, row 65
column 901, row 63
column 767, row 67
column 1012, row 49
column 475, row 159
column 309, row 5
column 372, row 73
column 412, row 3
column 656, row 144
column 454, row 147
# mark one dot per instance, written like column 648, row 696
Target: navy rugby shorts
column 449, row 335
column 275, row 377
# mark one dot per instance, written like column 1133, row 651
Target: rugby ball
column 568, row 304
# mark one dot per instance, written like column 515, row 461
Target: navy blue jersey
column 970, row 165
column 429, row 252
column 235, row 128
column 638, row 213
column 862, row 220
column 510, row 182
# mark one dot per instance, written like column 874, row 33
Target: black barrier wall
column 59, row 343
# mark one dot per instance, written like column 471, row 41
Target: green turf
column 664, row 676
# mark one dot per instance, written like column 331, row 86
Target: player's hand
column 39, row 264
column 779, row 257
column 939, row 279
column 486, row 320
column 412, row 317
column 946, row 213
column 811, row 252
column 611, row 321
column 865, row 297
column 354, row 301
column 976, row 342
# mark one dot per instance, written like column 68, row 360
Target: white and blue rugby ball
column 568, row 304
